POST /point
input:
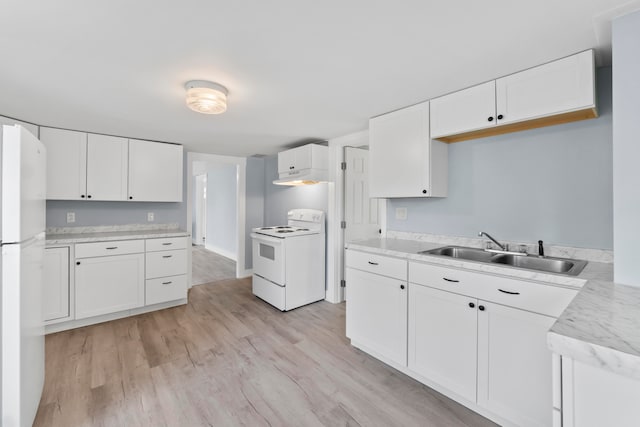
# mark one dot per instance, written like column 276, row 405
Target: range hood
column 303, row 177
column 305, row 165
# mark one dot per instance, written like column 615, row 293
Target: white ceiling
column 295, row 69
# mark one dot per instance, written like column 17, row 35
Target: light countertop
column 601, row 326
column 52, row 239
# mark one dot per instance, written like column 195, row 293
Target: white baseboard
column 223, row 252
column 246, row 273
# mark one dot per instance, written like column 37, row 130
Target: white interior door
column 200, row 209
column 361, row 213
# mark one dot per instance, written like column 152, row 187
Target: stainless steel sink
column 569, row 267
column 471, row 254
column 548, row 264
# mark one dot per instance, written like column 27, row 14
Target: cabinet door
column 109, row 284
column 286, row 161
column 66, row 163
column 464, row 111
column 28, row 126
column 443, row 338
column 56, row 283
column 514, row 364
column 377, row 314
column 399, row 153
column 107, row 159
column 559, row 86
column 155, row 171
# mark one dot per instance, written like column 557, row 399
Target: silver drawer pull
column 167, row 256
column 167, row 244
column 509, row 292
column 451, row 280
column 113, row 247
column 373, row 263
column 167, row 283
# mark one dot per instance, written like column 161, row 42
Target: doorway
column 216, row 212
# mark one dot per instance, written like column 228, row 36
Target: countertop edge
column 68, row 239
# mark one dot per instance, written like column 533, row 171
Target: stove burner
column 266, row 228
column 302, row 229
column 282, row 226
column 286, row 231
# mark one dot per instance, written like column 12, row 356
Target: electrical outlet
column 401, row 213
column 150, row 216
column 71, row 217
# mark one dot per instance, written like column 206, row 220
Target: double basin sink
column 569, row 267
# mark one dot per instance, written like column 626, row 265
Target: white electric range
column 289, row 260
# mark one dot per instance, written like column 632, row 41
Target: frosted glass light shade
column 206, row 97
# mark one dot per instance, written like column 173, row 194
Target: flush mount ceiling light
column 206, row 97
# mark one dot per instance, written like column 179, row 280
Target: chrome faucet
column 501, row 246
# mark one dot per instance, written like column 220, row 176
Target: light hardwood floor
column 229, row 359
column 210, row 267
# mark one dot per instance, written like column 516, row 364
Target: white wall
column 222, row 215
column 626, row 149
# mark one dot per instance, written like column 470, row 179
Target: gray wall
column 255, row 202
column 94, row 213
column 626, row 173
column 222, row 217
column 553, row 183
column 279, row 199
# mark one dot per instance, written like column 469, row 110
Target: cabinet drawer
column 116, row 247
column 166, row 263
column 532, row 296
column 166, row 244
column 165, row 289
column 386, row 266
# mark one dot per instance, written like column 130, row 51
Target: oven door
column 268, row 258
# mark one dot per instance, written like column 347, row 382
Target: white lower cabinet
column 478, row 338
column 514, row 364
column 377, row 314
column 56, row 284
column 443, row 338
column 109, row 284
column 596, row 397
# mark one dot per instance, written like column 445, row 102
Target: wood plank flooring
column 210, row 267
column 229, row 359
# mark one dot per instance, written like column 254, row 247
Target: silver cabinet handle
column 167, row 244
column 167, row 283
column 113, row 247
column 167, row 256
column 509, row 292
column 451, row 280
column 373, row 263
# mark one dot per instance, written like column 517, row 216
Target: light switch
column 150, row 216
column 71, row 217
column 401, row 213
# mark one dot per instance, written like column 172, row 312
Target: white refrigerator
column 22, row 241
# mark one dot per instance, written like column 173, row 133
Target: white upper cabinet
column 28, row 126
column 310, row 156
column 561, row 91
column 107, row 159
column 468, row 109
column 155, row 171
column 557, row 87
column 83, row 166
column 66, row 163
column 404, row 162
